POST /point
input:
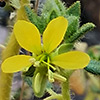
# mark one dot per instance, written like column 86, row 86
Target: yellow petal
column 16, row 63
column 28, row 36
column 54, row 33
column 71, row 60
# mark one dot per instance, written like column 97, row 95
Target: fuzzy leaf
column 93, row 67
column 80, row 32
column 33, row 18
column 73, row 25
column 74, row 9
column 49, row 7
column 61, row 6
column 65, row 48
column 36, row 20
column 53, row 15
column 15, row 3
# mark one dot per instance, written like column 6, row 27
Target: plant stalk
column 11, row 50
column 66, row 90
column 6, row 79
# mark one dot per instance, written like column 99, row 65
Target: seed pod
column 39, row 82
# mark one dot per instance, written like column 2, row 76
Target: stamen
column 32, row 60
column 59, row 77
column 37, row 63
column 38, row 57
column 49, row 65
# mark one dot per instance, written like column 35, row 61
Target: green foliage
column 52, row 9
column 93, row 56
column 61, row 6
column 94, row 52
column 31, row 15
column 36, row 20
column 93, row 67
column 65, row 48
column 80, row 32
column 53, row 15
column 73, row 25
column 55, row 8
column 15, row 3
column 49, row 7
column 74, row 10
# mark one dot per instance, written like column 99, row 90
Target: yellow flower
column 29, row 38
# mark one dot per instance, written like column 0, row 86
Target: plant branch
column 36, row 5
column 11, row 50
column 22, row 91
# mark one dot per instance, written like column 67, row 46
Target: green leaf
column 53, row 15
column 80, row 32
column 93, row 67
column 65, row 48
column 74, row 9
column 73, row 25
column 39, row 81
column 31, row 15
column 36, row 20
column 15, row 3
column 49, row 7
column 94, row 52
column 61, row 6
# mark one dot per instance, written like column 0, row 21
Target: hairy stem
column 11, row 49
column 6, row 79
column 66, row 90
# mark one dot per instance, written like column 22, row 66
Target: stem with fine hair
column 11, row 50
column 66, row 90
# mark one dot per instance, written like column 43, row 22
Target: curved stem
column 11, row 49
column 51, row 92
column 58, row 97
column 66, row 90
column 6, row 79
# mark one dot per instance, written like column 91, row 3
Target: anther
column 32, row 60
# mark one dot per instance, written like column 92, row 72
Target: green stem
column 58, row 97
column 6, row 79
column 49, row 65
column 11, row 50
column 51, row 92
column 66, row 90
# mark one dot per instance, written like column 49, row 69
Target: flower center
column 43, row 59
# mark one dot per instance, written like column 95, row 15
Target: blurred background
column 90, row 12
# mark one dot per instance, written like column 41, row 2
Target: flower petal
column 16, row 63
column 54, row 33
column 28, row 36
column 71, row 60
